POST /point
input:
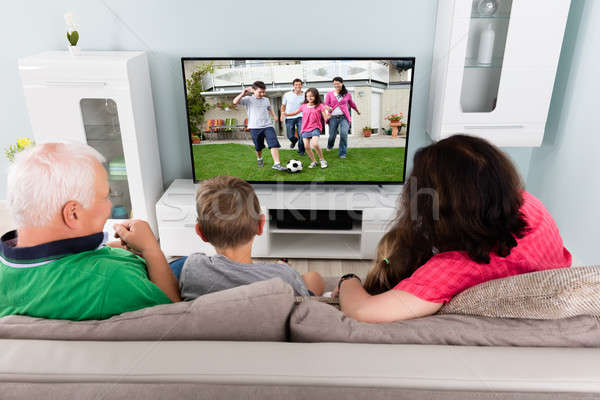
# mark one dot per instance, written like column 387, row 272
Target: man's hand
column 136, row 236
column 119, row 244
column 247, row 91
column 115, row 244
column 282, row 118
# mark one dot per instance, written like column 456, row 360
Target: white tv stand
column 371, row 207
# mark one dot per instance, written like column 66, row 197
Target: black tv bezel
column 413, row 59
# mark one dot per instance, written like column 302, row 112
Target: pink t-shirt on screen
column 311, row 117
column 449, row 273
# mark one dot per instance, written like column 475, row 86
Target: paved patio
column 353, row 141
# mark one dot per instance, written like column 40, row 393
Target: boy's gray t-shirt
column 258, row 112
column 202, row 274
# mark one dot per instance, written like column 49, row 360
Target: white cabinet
column 371, row 209
column 103, row 99
column 505, row 98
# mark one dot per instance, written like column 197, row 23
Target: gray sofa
column 255, row 342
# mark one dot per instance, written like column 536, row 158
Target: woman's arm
column 393, row 305
column 352, row 103
column 328, row 100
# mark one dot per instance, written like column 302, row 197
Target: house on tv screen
column 379, row 87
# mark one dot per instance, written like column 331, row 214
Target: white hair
column 45, row 177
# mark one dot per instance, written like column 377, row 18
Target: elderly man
column 55, row 265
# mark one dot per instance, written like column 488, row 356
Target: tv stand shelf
column 312, row 221
column 307, row 245
column 356, row 230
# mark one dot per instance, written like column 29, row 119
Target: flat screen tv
column 245, row 113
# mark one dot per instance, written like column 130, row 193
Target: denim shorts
column 259, row 136
column 308, row 135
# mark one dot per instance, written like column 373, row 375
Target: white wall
column 170, row 30
column 565, row 172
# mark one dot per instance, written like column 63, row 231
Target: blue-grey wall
column 170, row 30
column 564, row 172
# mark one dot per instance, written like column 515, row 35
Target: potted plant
column 395, row 123
column 195, row 139
column 72, row 34
column 196, row 102
column 226, row 106
column 367, row 131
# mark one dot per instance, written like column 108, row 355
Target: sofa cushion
column 253, row 312
column 313, row 321
column 548, row 294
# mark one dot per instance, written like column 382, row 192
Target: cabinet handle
column 74, row 84
column 475, row 127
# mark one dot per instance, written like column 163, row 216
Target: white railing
column 311, row 71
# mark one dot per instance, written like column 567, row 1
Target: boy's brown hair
column 228, row 211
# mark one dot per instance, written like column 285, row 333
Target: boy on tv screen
column 259, row 112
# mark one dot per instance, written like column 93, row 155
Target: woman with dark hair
column 463, row 219
column 340, row 101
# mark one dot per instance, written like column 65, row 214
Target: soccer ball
column 294, row 166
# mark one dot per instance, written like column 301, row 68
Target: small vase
column 74, row 50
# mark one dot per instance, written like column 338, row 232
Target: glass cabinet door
column 486, row 43
column 103, row 132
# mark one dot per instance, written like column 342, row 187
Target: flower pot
column 366, row 132
column 74, row 50
column 395, row 127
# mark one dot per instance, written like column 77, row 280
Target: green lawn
column 362, row 164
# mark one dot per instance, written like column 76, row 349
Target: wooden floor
column 326, row 267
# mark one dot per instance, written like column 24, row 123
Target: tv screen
column 338, row 121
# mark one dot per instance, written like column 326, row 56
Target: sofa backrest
column 256, row 312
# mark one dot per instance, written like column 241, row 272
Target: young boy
column 229, row 217
column 258, row 108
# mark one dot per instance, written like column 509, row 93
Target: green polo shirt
column 75, row 279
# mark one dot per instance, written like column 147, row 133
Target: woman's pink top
column 344, row 103
column 449, row 273
column 311, row 117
